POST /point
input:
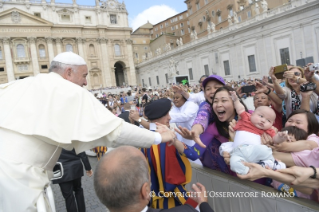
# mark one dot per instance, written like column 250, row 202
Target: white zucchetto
column 69, row 58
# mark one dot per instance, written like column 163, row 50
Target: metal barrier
column 246, row 196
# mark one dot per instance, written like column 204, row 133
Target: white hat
column 69, row 58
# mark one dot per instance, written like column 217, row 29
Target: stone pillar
column 97, row 3
column 113, row 76
column 34, row 56
column 58, row 45
column 80, row 47
column 131, row 62
column 8, row 58
column 125, row 71
column 106, row 75
column 50, row 48
column 52, row 1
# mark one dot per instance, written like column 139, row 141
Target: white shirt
column 184, row 116
column 198, row 98
column 145, row 209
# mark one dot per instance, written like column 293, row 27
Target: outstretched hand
column 199, row 193
column 160, row 128
column 256, row 171
column 190, row 135
column 177, row 89
column 300, row 173
column 260, row 88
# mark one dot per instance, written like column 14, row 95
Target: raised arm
column 238, row 106
column 277, row 87
column 256, row 172
column 179, row 89
column 310, row 77
column 297, row 146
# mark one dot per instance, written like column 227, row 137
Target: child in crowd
column 247, row 142
column 295, row 135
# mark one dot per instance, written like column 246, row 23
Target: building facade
column 33, row 32
column 247, row 48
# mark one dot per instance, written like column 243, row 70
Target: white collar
column 145, row 209
column 127, row 110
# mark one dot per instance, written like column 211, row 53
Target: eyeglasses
column 297, row 73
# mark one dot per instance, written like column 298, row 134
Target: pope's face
column 78, row 75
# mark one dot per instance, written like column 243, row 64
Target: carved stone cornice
column 102, row 40
column 32, row 40
column 49, row 40
column 129, row 41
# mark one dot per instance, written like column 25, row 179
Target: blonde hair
column 302, row 75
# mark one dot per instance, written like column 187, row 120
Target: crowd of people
column 207, row 123
column 280, row 134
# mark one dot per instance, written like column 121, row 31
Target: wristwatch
column 139, row 120
column 269, row 90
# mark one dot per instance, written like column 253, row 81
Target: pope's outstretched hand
column 168, row 136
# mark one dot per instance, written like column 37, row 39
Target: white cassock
column 184, row 116
column 198, row 98
column 39, row 116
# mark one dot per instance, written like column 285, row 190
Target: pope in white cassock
column 41, row 115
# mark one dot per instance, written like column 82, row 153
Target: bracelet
column 269, row 90
column 315, row 172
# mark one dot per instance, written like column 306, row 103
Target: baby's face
column 292, row 137
column 263, row 117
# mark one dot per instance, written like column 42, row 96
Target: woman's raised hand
column 271, row 73
column 260, row 88
column 190, row 135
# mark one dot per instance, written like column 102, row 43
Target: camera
column 308, row 87
column 314, row 67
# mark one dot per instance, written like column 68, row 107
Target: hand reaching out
column 177, row 89
column 199, row 193
column 190, row 135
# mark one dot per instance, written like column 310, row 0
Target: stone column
column 80, row 46
column 50, row 48
column 131, row 62
column 52, row 1
column 58, row 45
column 113, row 76
column 8, row 58
column 34, row 56
column 106, row 75
column 125, row 71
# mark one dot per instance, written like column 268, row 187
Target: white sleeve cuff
column 152, row 127
column 158, row 138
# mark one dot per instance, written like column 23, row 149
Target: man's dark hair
column 144, row 89
column 295, row 131
column 118, row 187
